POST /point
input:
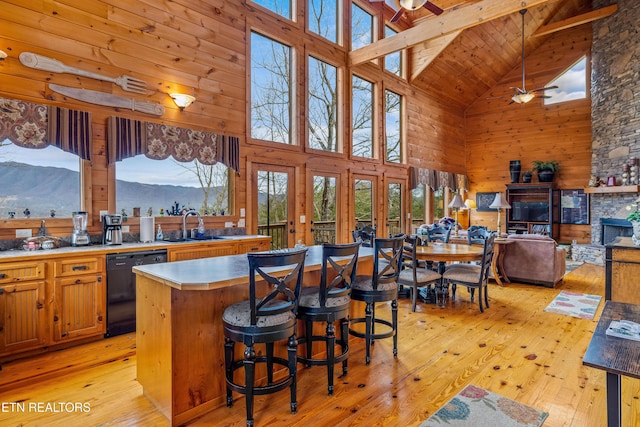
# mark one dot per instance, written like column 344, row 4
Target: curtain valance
column 31, row 125
column 435, row 179
column 128, row 138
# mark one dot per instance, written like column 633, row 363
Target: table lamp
column 470, row 204
column 456, row 204
column 499, row 203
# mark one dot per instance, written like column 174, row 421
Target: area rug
column 574, row 304
column 474, row 407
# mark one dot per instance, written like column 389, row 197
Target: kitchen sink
column 189, row 239
column 207, row 238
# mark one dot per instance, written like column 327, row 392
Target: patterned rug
column 574, row 304
column 474, row 407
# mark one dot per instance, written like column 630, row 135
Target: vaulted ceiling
column 463, row 53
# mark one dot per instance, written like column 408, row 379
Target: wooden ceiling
column 462, row 65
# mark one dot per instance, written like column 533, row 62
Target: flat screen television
column 529, row 211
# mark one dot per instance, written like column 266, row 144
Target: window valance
column 435, row 179
column 128, row 138
column 31, row 125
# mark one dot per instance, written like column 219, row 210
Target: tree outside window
column 281, row 7
column 323, row 18
column 323, row 106
column 361, row 27
column 362, row 117
column 393, row 61
column 393, row 129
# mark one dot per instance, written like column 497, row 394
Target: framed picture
column 483, row 200
column 574, row 207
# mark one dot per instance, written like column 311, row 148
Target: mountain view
column 43, row 188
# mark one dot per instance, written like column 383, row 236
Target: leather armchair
column 534, row 259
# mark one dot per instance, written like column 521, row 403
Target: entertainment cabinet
column 534, row 209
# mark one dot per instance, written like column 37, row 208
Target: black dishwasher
column 121, row 288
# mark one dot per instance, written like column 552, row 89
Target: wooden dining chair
column 364, row 235
column 412, row 273
column 439, row 233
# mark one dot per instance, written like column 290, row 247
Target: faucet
column 184, row 221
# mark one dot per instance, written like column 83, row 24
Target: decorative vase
column 514, row 169
column 545, row 176
column 526, row 178
column 636, row 232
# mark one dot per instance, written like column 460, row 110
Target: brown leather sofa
column 534, row 259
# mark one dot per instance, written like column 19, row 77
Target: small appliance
column 80, row 236
column 112, row 229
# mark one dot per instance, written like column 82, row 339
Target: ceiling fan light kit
column 412, row 4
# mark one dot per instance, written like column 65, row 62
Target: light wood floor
column 514, row 349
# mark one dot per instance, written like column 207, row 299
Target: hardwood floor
column 514, row 349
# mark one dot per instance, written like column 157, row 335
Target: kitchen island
column 179, row 330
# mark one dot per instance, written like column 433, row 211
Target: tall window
column 324, row 209
column 281, row 7
column 572, row 84
column 418, row 206
column 158, row 185
column 271, row 90
column 323, row 105
column 393, row 128
column 38, row 182
column 323, row 18
column 362, row 117
column 361, row 27
column 394, row 207
column 393, row 61
column 363, row 191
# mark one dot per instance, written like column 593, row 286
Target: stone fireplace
column 615, row 112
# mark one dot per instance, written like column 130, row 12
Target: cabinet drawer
column 630, row 255
column 77, row 266
column 21, row 271
column 255, row 246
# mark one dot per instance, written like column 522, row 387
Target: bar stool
column 268, row 316
column 380, row 286
column 329, row 302
column 412, row 274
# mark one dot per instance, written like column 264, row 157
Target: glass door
column 364, row 201
column 273, row 203
column 324, row 225
column 395, row 224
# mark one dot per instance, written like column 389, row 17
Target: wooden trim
column 576, row 20
column 613, row 189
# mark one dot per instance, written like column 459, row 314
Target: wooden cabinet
column 257, row 245
column 202, row 251
column 79, row 307
column 22, row 306
column 534, row 209
column 622, row 270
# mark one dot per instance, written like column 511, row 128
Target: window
column 271, row 90
column 423, row 212
column 364, row 209
column 393, row 131
column 393, row 61
column 281, row 7
column 323, row 18
column 394, row 208
column 572, row 84
column 324, row 209
column 362, row 117
column 361, row 27
column 39, row 182
column 322, row 106
column 161, row 184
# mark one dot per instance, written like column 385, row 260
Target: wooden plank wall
column 497, row 132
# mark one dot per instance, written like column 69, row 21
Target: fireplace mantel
column 613, row 189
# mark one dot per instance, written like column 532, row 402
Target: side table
column 497, row 264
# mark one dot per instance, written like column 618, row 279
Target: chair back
column 365, row 235
column 387, row 260
column 477, row 235
column 409, row 258
column 439, row 232
column 281, row 294
column 487, row 257
column 341, row 271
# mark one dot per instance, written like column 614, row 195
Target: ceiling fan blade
column 398, row 15
column 544, row 88
column 433, row 8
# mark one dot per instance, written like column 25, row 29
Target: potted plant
column 634, row 219
column 526, row 176
column 546, row 169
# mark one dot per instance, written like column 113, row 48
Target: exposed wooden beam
column 449, row 22
column 426, row 52
column 576, row 20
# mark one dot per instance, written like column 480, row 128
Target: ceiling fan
column 522, row 95
column 414, row 5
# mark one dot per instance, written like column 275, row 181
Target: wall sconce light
column 3, row 55
column 182, row 100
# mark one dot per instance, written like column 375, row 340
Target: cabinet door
column 253, row 246
column 197, row 252
column 22, row 316
column 79, row 307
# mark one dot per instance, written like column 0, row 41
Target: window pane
column 418, row 204
column 38, row 182
column 361, row 27
column 364, row 202
column 323, row 18
column 324, row 209
column 323, row 105
column 273, row 201
column 394, row 203
column 393, row 61
column 362, row 118
column 281, row 7
column 161, row 184
column 438, row 205
column 393, row 134
column 270, row 90
column 572, row 84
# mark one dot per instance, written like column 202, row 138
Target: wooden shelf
column 613, row 189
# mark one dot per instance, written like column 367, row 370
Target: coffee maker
column 112, row 229
column 80, row 236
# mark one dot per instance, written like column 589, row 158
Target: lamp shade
column 470, row 204
column 523, row 98
column 500, row 202
column 182, row 100
column 456, row 202
column 412, row 4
